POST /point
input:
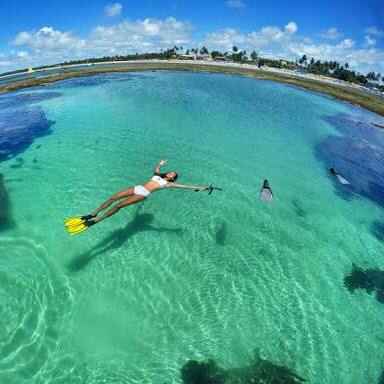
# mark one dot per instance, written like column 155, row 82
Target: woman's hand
column 162, row 162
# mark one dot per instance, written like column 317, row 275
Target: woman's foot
column 88, row 217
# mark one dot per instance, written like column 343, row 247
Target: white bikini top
column 162, row 182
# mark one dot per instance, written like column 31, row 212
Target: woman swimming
column 129, row 196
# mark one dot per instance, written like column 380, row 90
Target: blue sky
column 37, row 32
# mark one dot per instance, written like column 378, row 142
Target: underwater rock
column 23, row 99
column 298, row 207
column 377, row 229
column 5, row 206
column 221, row 232
column 371, row 280
column 88, row 81
column 260, row 371
column 194, row 372
column 381, row 378
column 81, row 82
column 18, row 129
column 19, row 163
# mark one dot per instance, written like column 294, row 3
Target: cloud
column 140, row 35
column 369, row 41
column 22, row 54
column 346, row 43
column 114, row 9
column 274, row 41
column 360, row 59
column 47, row 38
column 374, row 31
column 224, row 39
column 238, row 4
column 291, row 27
column 331, row 33
column 271, row 36
column 48, row 45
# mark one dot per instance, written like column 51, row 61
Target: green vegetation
column 337, row 71
column 254, row 56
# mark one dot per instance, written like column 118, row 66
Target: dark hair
column 164, row 174
column 176, row 176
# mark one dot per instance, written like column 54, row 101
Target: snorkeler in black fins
column 340, row 178
column 266, row 193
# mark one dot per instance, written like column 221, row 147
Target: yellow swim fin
column 76, row 230
column 76, row 225
column 73, row 221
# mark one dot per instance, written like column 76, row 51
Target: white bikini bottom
column 141, row 191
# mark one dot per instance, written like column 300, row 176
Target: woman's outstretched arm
column 183, row 186
column 159, row 165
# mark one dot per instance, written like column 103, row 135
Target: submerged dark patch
column 371, row 280
column 5, row 206
column 298, row 207
column 357, row 154
column 260, row 371
column 19, row 162
column 19, row 128
column 81, row 82
column 377, row 229
column 91, row 81
column 221, row 232
column 22, row 99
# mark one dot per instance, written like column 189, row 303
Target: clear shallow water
column 185, row 275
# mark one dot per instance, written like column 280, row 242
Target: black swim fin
column 76, row 225
column 266, row 193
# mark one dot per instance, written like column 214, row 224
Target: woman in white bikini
column 129, row 196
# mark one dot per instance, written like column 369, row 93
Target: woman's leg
column 117, row 196
column 131, row 200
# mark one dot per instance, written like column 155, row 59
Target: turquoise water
column 184, row 275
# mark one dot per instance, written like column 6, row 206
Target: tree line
column 337, row 70
column 326, row 68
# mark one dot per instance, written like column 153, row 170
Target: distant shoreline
column 342, row 91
